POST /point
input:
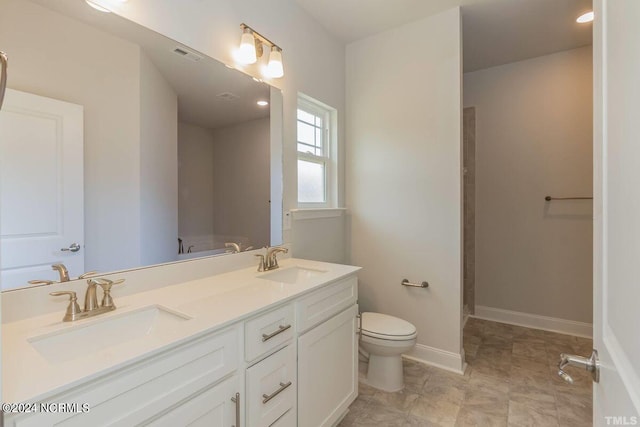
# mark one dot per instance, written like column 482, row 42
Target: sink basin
column 291, row 275
column 94, row 335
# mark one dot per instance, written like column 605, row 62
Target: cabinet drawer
column 325, row 303
column 287, row 420
column 271, row 387
column 268, row 331
column 145, row 389
column 212, row 407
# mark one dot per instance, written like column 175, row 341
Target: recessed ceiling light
column 585, row 17
column 262, row 103
column 97, row 6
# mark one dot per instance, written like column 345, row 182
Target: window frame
column 328, row 157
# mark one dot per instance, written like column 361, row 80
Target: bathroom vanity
column 241, row 348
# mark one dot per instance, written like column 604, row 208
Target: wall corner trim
column 447, row 360
column 535, row 321
column 312, row 213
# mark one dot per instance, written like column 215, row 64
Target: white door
column 41, row 174
column 617, row 211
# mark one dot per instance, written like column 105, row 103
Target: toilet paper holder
column 406, row 282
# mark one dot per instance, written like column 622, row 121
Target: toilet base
column 385, row 373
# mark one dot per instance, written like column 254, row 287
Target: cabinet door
column 327, row 370
column 209, row 408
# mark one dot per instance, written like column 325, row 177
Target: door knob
column 74, row 247
column 591, row 364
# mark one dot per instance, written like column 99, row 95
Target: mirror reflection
column 111, row 158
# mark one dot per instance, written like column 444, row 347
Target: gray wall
column 242, row 181
column 534, row 138
column 195, row 180
column 158, row 166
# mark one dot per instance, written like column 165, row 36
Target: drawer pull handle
column 281, row 329
column 268, row 397
column 236, row 400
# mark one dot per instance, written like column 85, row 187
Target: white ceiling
column 195, row 83
column 499, row 32
column 494, row 32
column 351, row 20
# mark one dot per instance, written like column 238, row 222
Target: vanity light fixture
column 585, row 17
column 251, row 48
column 262, row 103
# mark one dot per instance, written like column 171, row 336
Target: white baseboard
column 552, row 324
column 436, row 357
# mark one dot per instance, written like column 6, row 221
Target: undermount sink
column 292, row 274
column 93, row 336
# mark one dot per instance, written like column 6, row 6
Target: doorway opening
column 528, row 214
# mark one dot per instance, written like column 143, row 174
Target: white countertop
column 213, row 303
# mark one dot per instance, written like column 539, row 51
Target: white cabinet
column 213, row 407
column 149, row 388
column 328, row 370
column 326, row 302
column 271, row 388
column 293, row 365
column 287, row 420
column 268, row 331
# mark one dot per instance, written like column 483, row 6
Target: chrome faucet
column 270, row 261
column 64, row 275
column 91, row 307
column 234, row 248
column 62, row 271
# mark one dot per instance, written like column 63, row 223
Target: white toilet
column 385, row 338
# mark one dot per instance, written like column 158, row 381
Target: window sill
column 315, row 213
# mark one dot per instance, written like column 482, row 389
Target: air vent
column 228, row 96
column 188, row 54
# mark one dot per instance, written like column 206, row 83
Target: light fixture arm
column 260, row 39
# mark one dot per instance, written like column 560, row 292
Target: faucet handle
column 41, row 282
column 73, row 309
column 87, row 274
column 106, row 284
column 261, row 264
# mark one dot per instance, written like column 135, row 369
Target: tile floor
column 511, row 380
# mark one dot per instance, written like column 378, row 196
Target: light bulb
column 274, row 67
column 247, row 52
column 584, row 18
column 262, row 103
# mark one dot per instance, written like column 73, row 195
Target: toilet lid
column 378, row 325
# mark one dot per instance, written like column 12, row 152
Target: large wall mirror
column 121, row 148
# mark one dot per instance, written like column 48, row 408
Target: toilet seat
column 388, row 328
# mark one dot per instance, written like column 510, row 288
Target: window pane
column 310, row 182
column 318, row 121
column 305, row 133
column 303, row 115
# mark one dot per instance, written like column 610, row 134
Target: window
column 315, row 153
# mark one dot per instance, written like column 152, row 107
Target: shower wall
column 534, row 138
column 469, row 170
